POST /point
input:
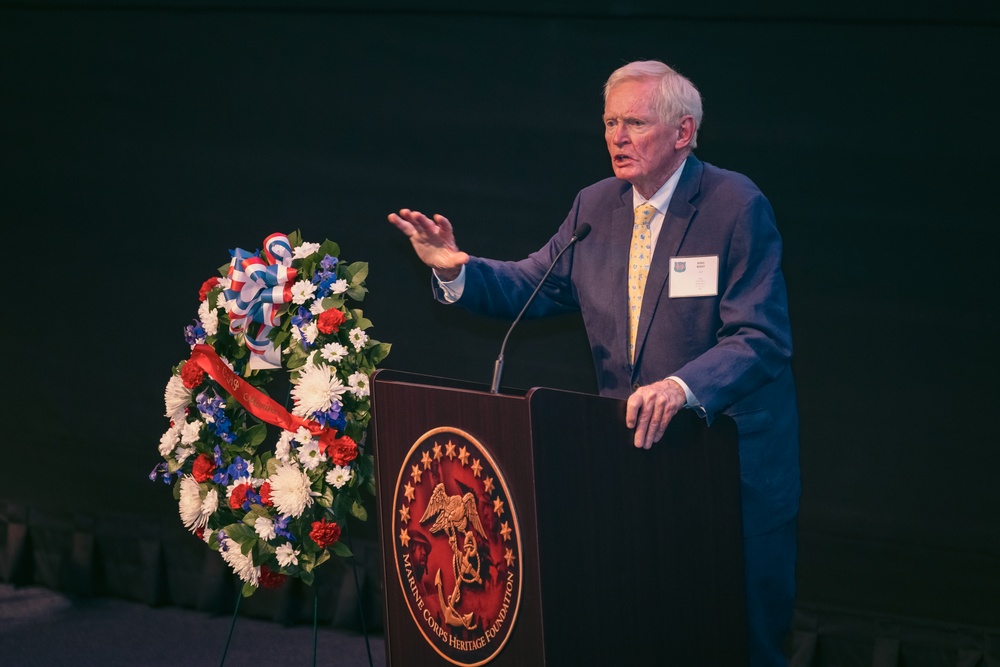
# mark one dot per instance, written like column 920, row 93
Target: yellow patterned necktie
column 640, row 251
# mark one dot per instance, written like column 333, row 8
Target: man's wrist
column 691, row 400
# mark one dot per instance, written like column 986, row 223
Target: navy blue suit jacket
column 733, row 350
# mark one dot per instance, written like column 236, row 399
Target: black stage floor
column 45, row 628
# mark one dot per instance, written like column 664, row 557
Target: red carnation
column 200, row 532
column 239, row 496
column 324, row 533
column 265, row 494
column 330, row 320
column 203, row 468
column 343, row 450
column 269, row 579
column 192, row 376
column 207, row 287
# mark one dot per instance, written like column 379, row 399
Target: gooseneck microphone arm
column 579, row 235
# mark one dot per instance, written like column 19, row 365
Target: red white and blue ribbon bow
column 258, row 292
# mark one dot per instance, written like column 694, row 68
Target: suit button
column 635, row 385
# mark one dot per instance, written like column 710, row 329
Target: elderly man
column 684, row 303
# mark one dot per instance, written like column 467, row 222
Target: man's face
column 644, row 150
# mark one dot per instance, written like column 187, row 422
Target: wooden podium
column 626, row 556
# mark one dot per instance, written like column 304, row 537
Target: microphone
column 578, row 235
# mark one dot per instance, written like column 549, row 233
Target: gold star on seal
column 404, row 539
column 408, row 492
column 426, row 460
column 505, row 531
column 463, row 456
column 497, row 506
column 488, row 484
column 404, row 513
column 509, row 557
column 476, row 467
column 415, row 473
column 449, row 449
column 437, row 452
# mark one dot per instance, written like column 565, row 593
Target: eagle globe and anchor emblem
column 457, row 546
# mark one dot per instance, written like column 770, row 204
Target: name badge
column 693, row 276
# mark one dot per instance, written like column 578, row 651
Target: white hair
column 676, row 96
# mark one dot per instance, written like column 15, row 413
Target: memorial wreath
column 287, row 313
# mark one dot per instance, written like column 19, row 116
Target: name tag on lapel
column 693, row 276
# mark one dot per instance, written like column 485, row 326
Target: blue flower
column 281, row 528
column 194, row 333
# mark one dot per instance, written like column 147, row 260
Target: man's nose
column 620, row 134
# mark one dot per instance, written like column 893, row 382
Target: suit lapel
column 675, row 225
column 621, row 239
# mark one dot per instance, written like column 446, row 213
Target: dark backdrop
column 139, row 142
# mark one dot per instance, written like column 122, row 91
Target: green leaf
column 254, row 436
column 333, row 301
column 359, row 511
column 326, row 500
column 248, row 589
column 342, row 550
column 355, row 273
column 357, row 293
column 379, row 352
column 240, row 532
column 330, row 248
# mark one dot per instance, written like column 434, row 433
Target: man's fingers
column 402, row 224
column 632, row 408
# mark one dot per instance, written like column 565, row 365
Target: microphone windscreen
column 582, row 231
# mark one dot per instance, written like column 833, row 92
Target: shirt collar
column 661, row 198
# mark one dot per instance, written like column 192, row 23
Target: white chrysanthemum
column 182, row 454
column 358, row 338
column 303, row 435
column 176, row 397
column 316, row 390
column 283, row 447
column 338, row 476
column 287, row 555
column 333, row 352
column 264, row 528
column 190, row 432
column 358, row 382
column 310, row 455
column 290, row 490
column 308, row 333
column 210, row 503
column 339, row 287
column 302, row 291
column 169, row 440
column 304, row 250
column 190, row 504
column 209, row 318
column 316, row 307
column 241, row 563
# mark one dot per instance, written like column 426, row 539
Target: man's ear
column 685, row 132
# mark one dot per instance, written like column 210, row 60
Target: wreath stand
column 361, row 612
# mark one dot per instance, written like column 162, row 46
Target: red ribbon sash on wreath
column 255, row 401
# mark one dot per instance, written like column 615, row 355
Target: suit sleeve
column 754, row 339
